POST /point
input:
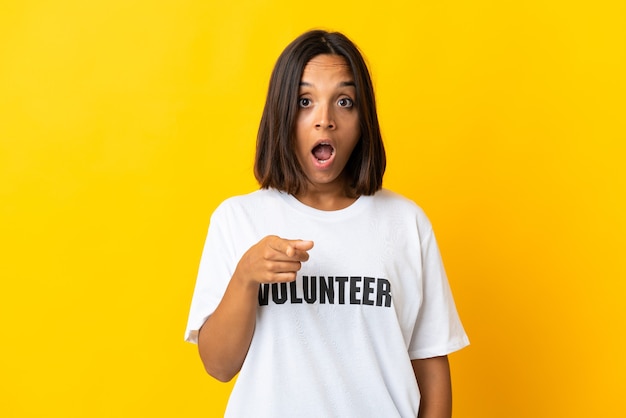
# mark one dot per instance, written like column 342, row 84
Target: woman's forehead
column 327, row 64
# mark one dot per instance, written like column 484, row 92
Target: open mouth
column 323, row 152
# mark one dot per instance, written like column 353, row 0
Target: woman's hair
column 276, row 165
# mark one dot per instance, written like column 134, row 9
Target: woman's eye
column 304, row 102
column 345, row 102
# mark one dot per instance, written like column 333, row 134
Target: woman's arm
column 433, row 379
column 225, row 337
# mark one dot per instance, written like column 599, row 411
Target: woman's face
column 327, row 125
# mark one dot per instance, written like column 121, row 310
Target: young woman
column 325, row 292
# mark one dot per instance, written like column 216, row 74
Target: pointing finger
column 302, row 245
column 290, row 247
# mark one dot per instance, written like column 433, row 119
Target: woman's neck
column 325, row 200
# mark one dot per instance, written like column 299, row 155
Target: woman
column 325, row 292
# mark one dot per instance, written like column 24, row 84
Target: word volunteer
column 353, row 290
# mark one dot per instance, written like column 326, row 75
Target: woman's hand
column 273, row 260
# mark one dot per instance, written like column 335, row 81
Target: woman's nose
column 324, row 118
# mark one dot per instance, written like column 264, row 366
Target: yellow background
column 124, row 123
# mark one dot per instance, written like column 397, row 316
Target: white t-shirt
column 338, row 341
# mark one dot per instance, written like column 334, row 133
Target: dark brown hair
column 276, row 165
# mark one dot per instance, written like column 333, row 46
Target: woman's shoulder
column 393, row 201
column 251, row 197
column 391, row 197
column 250, row 201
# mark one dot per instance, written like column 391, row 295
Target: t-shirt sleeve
column 438, row 330
column 216, row 268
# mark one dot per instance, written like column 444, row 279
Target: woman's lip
column 323, row 164
column 323, row 141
